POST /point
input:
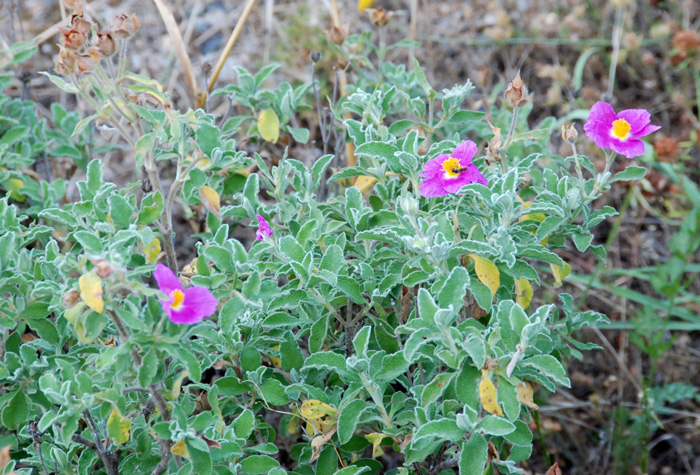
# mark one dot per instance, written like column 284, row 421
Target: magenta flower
column 449, row 173
column 619, row 132
column 183, row 306
column 264, row 231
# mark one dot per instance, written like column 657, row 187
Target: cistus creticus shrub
column 394, row 323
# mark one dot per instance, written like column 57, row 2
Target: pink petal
column 649, row 129
column 599, row 132
column 602, row 112
column 198, row 304
column 431, row 187
column 166, row 279
column 456, row 184
column 475, row 176
column 434, row 166
column 637, row 118
column 464, row 152
column 630, row 148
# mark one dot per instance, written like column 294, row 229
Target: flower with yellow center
column 621, row 129
column 178, row 299
column 452, row 168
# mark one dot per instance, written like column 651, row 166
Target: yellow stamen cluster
column 450, row 165
column 178, row 299
column 621, row 129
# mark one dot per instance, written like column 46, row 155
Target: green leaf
column 319, row 331
column 549, row 366
column 351, row 288
column 258, row 464
column 349, row 419
column 274, row 393
column 199, row 455
column 244, row 424
column 291, row 249
column 208, row 138
column 89, row 241
column 442, row 429
column 16, row 410
column 300, row 135
column 120, row 210
column 151, row 209
column 14, row 134
column 221, row 257
column 383, row 150
column 320, row 166
column 329, row 361
column 474, row 456
column 147, row 370
column 60, row 216
column 62, row 85
column 422, row 80
column 426, row 306
column 630, row 174
column 494, row 425
column 290, row 354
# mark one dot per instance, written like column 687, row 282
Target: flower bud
column 569, row 133
column 106, row 44
column 315, row 56
column 409, row 205
column 70, row 298
column 125, row 26
column 516, row 93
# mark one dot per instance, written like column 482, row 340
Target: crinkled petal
column 602, row 112
column 464, row 152
column 431, row 187
column 475, row 176
column 434, row 166
column 629, row 148
column 649, row 129
column 637, row 118
column 166, row 279
column 599, row 124
column 198, row 304
column 456, row 184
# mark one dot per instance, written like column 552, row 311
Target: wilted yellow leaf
column 364, row 182
column 275, row 360
column 559, row 273
column 118, row 427
column 269, row 125
column 375, row 438
column 363, row 5
column 180, row 449
column 525, row 393
column 523, row 292
column 152, row 250
column 318, row 442
column 487, row 394
column 315, row 409
column 294, row 422
column 487, row 272
column 91, row 291
column 210, row 200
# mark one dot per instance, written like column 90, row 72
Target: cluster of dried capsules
column 80, row 54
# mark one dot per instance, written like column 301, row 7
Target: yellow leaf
column 525, row 393
column 118, row 427
column 314, row 409
column 487, row 394
column 487, row 272
column 14, row 186
column 375, row 438
column 560, row 273
column 177, row 387
column 364, row 182
column 275, row 360
column 294, row 422
column 91, row 291
column 152, row 250
column 180, row 448
column 210, row 200
column 363, row 5
column 269, row 125
column 523, row 292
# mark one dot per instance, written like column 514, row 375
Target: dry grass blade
column 180, row 48
column 229, row 46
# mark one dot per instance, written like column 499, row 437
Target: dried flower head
column 70, row 298
column 337, row 34
column 86, row 63
column 73, row 39
column 379, row 16
column 569, row 133
column 666, row 148
column 516, row 92
column 106, row 43
column 66, row 63
column 103, row 268
column 125, row 26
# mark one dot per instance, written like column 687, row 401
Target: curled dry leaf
column 525, row 395
column 554, row 469
column 210, row 200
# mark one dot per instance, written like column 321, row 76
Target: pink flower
column 264, row 231
column 183, row 306
column 449, row 173
column 619, row 132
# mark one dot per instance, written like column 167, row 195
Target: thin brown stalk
column 227, row 49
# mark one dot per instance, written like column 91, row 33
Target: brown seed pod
column 73, row 39
column 125, row 26
column 516, row 92
column 106, row 43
